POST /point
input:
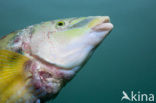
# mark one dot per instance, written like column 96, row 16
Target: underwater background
column 125, row 61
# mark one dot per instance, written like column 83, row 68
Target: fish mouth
column 103, row 24
column 100, row 28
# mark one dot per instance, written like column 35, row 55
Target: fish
column 39, row 60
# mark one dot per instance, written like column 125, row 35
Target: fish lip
column 104, row 25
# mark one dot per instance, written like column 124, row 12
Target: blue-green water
column 126, row 60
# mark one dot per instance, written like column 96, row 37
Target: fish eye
column 60, row 23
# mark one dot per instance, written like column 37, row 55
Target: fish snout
column 102, row 24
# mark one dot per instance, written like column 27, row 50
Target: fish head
column 68, row 42
column 63, row 46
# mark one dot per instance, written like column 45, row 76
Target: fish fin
column 12, row 74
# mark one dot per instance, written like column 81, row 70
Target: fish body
column 36, row 62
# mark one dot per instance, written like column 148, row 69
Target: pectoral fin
column 11, row 75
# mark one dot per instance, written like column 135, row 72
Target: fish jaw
column 101, row 28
